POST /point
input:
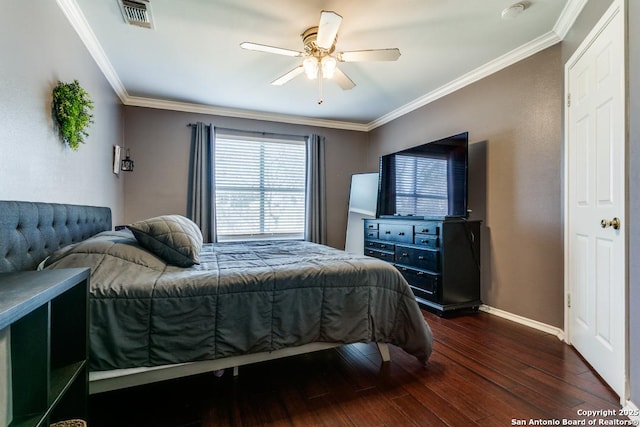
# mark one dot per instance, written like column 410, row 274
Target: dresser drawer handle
column 387, row 232
column 370, row 225
column 424, row 241
column 425, row 230
column 401, row 233
column 421, row 257
column 420, row 273
column 383, row 246
column 404, row 254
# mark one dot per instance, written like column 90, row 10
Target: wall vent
column 136, row 12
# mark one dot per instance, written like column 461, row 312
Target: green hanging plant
column 72, row 108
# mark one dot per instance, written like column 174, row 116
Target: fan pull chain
column 320, row 78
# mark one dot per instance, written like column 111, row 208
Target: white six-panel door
column 595, row 200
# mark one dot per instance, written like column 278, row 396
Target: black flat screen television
column 427, row 181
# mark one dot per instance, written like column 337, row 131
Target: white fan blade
column 343, row 80
column 288, row 76
column 328, row 29
column 369, row 55
column 269, row 49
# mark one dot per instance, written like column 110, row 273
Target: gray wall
column 39, row 47
column 159, row 141
column 515, row 123
column 514, row 119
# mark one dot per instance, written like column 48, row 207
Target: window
column 260, row 187
column 421, row 184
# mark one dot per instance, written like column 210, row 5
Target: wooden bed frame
column 31, row 231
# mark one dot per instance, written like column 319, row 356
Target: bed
column 153, row 316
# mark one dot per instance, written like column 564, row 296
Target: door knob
column 615, row 223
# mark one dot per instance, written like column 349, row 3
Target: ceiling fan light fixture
column 311, row 66
column 328, row 66
column 318, row 58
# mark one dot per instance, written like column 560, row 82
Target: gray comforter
column 242, row 298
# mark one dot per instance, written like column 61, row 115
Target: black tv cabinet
column 439, row 258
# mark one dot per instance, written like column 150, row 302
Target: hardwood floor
column 484, row 371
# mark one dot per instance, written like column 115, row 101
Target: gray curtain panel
column 201, row 195
column 316, row 204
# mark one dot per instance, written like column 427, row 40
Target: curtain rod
column 254, row 132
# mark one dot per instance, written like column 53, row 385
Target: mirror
column 363, row 198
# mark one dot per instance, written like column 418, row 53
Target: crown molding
column 562, row 26
column 510, row 58
column 239, row 113
column 77, row 19
column 568, row 16
column 79, row 23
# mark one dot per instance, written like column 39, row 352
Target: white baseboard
column 629, row 409
column 632, row 412
column 524, row 321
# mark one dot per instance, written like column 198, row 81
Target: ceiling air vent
column 136, row 12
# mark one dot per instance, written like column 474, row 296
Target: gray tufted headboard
column 31, row 231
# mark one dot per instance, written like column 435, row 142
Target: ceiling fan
column 320, row 59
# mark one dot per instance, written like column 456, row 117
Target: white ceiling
column 191, row 60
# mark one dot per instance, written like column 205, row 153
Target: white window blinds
column 260, row 187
